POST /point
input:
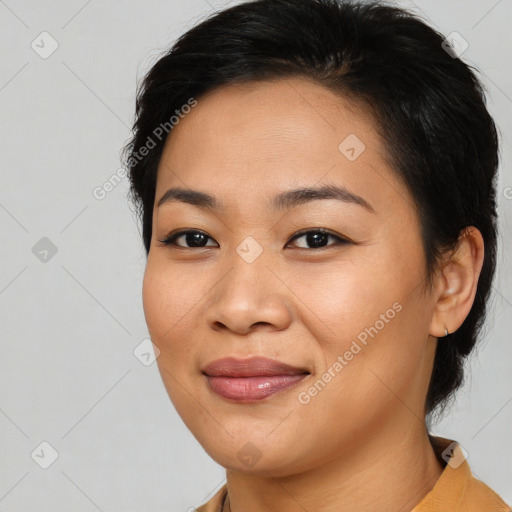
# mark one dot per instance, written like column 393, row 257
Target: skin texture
column 360, row 443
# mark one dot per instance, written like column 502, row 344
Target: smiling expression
column 243, row 264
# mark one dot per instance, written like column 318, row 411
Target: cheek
column 157, row 303
column 168, row 301
column 168, row 295
column 341, row 302
column 369, row 329
column 168, row 306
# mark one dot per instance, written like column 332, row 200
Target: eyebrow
column 283, row 200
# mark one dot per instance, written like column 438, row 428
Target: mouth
column 248, row 380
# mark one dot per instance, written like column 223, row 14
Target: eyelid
column 341, row 239
column 170, row 239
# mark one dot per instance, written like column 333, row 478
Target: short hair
column 428, row 106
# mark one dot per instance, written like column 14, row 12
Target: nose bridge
column 249, row 274
column 250, row 293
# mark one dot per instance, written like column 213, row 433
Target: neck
column 388, row 472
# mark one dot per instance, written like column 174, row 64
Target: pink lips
column 251, row 379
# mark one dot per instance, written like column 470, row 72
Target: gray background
column 70, row 321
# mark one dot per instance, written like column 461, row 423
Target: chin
column 269, row 455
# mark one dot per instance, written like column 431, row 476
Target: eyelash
column 171, row 239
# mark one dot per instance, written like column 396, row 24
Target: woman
column 316, row 184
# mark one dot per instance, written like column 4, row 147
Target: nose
column 250, row 297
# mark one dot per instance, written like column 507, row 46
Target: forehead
column 253, row 137
column 284, row 112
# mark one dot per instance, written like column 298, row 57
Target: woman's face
column 347, row 308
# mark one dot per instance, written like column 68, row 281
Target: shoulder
column 457, row 489
column 478, row 494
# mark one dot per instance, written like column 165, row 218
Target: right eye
column 194, row 239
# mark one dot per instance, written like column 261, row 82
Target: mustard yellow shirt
column 456, row 490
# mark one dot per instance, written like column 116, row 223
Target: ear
column 457, row 282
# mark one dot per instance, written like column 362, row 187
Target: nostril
column 260, row 323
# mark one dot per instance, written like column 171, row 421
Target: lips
column 251, row 379
column 253, row 367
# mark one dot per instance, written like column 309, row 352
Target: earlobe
column 457, row 283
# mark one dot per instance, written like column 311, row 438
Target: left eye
column 196, row 239
column 318, row 238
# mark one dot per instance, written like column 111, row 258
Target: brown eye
column 318, row 238
column 193, row 239
column 313, row 238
